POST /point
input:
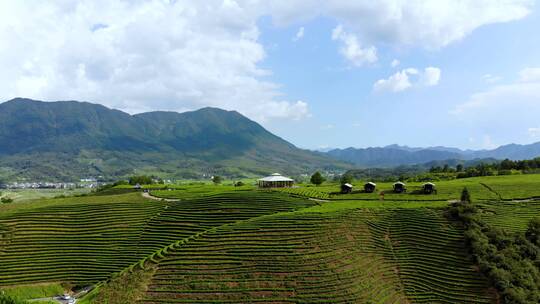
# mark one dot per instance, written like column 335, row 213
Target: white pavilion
column 275, row 180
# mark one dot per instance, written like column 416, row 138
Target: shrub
column 6, row 200
column 465, row 195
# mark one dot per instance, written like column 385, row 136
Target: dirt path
column 318, row 200
column 53, row 299
column 150, row 196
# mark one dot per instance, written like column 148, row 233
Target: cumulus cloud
column 140, row 56
column 394, row 63
column 351, row 48
column 299, row 35
column 180, row 55
column 408, row 78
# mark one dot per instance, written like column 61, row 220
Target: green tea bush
column 5, row 299
column 510, row 261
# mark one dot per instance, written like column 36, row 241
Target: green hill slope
column 68, row 140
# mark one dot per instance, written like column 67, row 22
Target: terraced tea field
column 221, row 244
column 85, row 240
column 388, row 256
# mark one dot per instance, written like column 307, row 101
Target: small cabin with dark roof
column 399, row 187
column 346, row 188
column 429, row 188
column 369, row 187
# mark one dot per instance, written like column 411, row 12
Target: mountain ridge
column 396, row 155
column 68, row 138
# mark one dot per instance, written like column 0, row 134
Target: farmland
column 225, row 244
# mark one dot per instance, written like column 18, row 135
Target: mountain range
column 395, row 155
column 66, row 140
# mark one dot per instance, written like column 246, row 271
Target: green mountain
column 67, row 140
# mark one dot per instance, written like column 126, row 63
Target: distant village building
column 275, row 180
column 346, row 188
column 369, row 187
column 137, row 187
column 399, row 187
column 429, row 188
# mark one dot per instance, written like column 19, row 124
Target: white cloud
column 179, row 55
column 299, row 35
column 394, row 63
column 530, row 75
column 488, row 78
column 281, row 110
column 431, row 76
column 140, row 56
column 408, row 78
column 534, row 132
column 351, row 48
column 428, row 23
column 520, row 97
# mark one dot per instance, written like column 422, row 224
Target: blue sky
column 347, row 112
column 466, row 73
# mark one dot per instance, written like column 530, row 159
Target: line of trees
column 511, row 262
column 505, row 167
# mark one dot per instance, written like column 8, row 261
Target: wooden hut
column 369, row 187
column 275, row 180
column 429, row 188
column 399, row 187
column 346, row 188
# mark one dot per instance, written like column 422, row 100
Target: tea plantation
column 224, row 244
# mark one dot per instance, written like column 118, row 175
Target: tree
column 140, row 179
column 459, row 168
column 346, row 178
column 533, row 231
column 465, row 195
column 317, row 178
column 217, row 179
